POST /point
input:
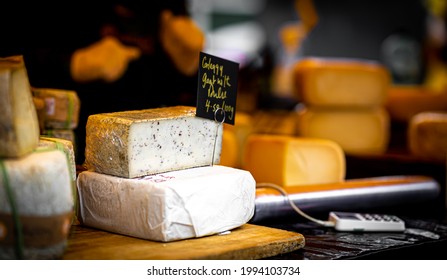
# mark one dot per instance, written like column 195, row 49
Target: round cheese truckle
column 341, row 82
column 36, row 205
column 292, row 161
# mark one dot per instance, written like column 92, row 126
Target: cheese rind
column 136, row 143
column 61, row 107
column 169, row 206
column 341, row 82
column 37, row 187
column 357, row 131
column 404, row 102
column 65, row 146
column 427, row 136
column 19, row 126
column 290, row 161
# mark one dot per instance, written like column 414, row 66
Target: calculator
column 352, row 221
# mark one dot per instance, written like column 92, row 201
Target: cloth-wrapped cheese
column 36, row 205
column 142, row 142
column 61, row 107
column 168, row 206
column 19, row 125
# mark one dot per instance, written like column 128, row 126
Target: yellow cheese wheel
column 230, row 149
column 357, row 131
column 404, row 102
column 427, row 136
column 291, row 161
column 340, row 82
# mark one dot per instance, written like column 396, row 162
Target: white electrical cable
column 298, row 210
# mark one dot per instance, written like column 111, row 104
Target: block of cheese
column 61, row 107
column 168, row 206
column 65, row 146
column 143, row 142
column 427, row 136
column 19, row 125
column 242, row 128
column 357, row 131
column 340, row 82
column 230, row 149
column 36, row 190
column 404, row 102
column 291, row 161
column 67, row 134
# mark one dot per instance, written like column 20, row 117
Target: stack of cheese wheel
column 36, row 199
column 344, row 100
column 153, row 174
column 60, row 113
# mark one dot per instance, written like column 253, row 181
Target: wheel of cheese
column 340, row 82
column 357, row 131
column 291, row 161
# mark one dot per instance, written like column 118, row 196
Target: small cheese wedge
column 142, row 142
column 35, row 189
column 404, row 102
column 427, row 136
column 19, row 125
column 341, row 82
column 357, row 131
column 168, row 206
column 61, row 107
column 291, row 161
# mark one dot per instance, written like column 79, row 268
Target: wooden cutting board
column 246, row 242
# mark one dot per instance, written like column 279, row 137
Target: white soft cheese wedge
column 142, row 142
column 357, row 131
column 427, row 136
column 169, row 206
column 341, row 82
column 293, row 161
column 19, row 125
column 37, row 190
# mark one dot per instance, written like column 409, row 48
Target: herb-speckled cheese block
column 292, row 161
column 143, row 142
column 341, row 82
column 19, row 125
column 37, row 190
column 169, row 206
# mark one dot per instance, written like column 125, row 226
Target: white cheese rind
column 19, row 125
column 136, row 143
column 40, row 182
column 170, row 206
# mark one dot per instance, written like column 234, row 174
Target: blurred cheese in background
column 405, row 101
column 357, row 131
column 290, row 161
column 340, row 82
column 427, row 136
column 61, row 107
column 19, row 126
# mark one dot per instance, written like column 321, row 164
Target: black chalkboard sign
column 217, row 88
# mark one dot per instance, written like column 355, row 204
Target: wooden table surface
column 246, row 242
